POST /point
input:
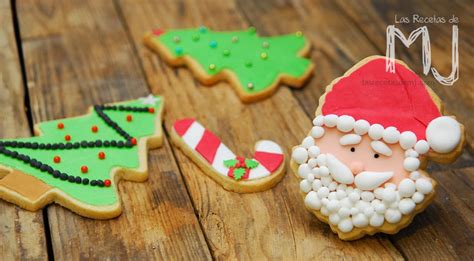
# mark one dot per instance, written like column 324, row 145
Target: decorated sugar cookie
column 253, row 65
column 77, row 162
column 261, row 172
column 361, row 167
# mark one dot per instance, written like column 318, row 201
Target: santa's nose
column 356, row 167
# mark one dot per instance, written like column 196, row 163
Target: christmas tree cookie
column 234, row 173
column 253, row 65
column 77, row 162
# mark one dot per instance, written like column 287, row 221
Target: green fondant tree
column 256, row 62
column 77, row 155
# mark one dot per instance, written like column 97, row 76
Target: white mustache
column 366, row 180
column 339, row 171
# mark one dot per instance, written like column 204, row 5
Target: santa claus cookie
column 234, row 173
column 77, row 162
column 253, row 65
column 361, row 165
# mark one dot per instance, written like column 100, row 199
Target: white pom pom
column 318, row 120
column 391, row 135
column 300, row 155
column 407, row 140
column 376, row 131
column 330, row 120
column 376, row 220
column 303, row 170
column 415, row 175
column 312, row 201
column 345, row 123
column 406, row 188
column 312, row 162
column 389, row 195
column 344, row 212
column 313, row 151
column 360, row 220
column 393, row 216
column 345, row 225
column 323, row 192
column 316, row 184
column 317, row 132
column 422, row 147
column 406, row 206
column 443, row 134
column 411, row 153
column 424, row 185
column 367, row 196
column 305, row 186
column 361, row 127
column 307, row 142
column 418, row 197
column 411, row 164
column 310, row 178
column 333, row 205
column 334, row 219
column 321, row 160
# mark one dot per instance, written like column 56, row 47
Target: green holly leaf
column 230, row 163
column 251, row 164
column 239, row 173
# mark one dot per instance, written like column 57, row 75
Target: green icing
column 79, row 128
column 240, row 52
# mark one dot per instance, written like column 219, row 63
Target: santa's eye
column 376, row 155
column 353, row 149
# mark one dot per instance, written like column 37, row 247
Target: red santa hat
column 394, row 100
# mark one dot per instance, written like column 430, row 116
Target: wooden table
column 59, row 57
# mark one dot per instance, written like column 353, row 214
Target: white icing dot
column 367, row 196
column 315, row 172
column 313, row 151
column 406, row 206
column 415, row 175
column 305, row 186
column 354, row 196
column 321, row 160
column 325, row 201
column 380, row 208
column 389, row 195
column 330, row 120
column 376, row 220
column 323, row 192
column 345, row 123
column 424, row 186
column 317, row 132
column 344, row 212
column 312, row 201
column 341, row 194
column 362, row 205
column 376, row 131
column 324, row 171
column 310, row 178
column 391, row 135
column 324, row 211
column 316, row 184
column 300, row 155
column 411, row 164
column 360, row 220
column 411, row 153
column 334, row 219
column 369, row 211
column 312, row 163
column 393, row 216
column 406, row 188
column 443, row 134
column 350, row 139
column 345, row 225
column 407, row 140
column 332, row 186
column 361, row 127
column 318, row 120
column 342, row 186
column 307, row 142
column 418, row 197
column 304, row 170
column 422, row 147
column 378, row 193
column 326, row 180
column 354, row 211
column 333, row 205
column 332, row 195
column 345, row 202
column 380, row 147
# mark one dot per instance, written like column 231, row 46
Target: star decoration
column 150, row 99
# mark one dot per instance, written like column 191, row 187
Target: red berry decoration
column 57, row 159
column 67, row 137
column 84, row 169
column 60, row 126
column 129, row 117
column 133, row 141
column 107, row 182
column 151, row 110
column 94, row 129
column 101, row 155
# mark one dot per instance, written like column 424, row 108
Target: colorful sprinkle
column 60, row 126
column 226, row 52
column 151, row 110
column 248, row 63
column 178, row 50
column 129, row 117
column 84, row 169
column 299, row 34
column 250, row 85
column 196, row 37
column 265, row 45
column 212, row 66
column 213, row 44
column 101, row 155
column 176, row 39
column 133, row 141
column 202, row 29
column 67, row 137
column 252, row 30
column 264, row 55
column 235, row 39
column 57, row 159
column 107, row 182
column 94, row 129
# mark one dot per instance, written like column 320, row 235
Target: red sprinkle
column 151, row 110
column 101, row 155
column 94, row 129
column 67, row 137
column 57, row 159
column 107, row 182
column 129, row 117
column 84, row 169
column 60, row 125
column 134, row 141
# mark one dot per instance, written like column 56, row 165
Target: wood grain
column 273, row 224
column 77, row 54
column 22, row 234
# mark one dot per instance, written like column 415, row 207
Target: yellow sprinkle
column 263, row 55
column 299, row 34
column 250, row 85
column 212, row 66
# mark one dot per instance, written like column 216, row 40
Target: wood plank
column 272, row 224
column 444, row 231
column 373, row 19
column 77, row 54
column 22, row 233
